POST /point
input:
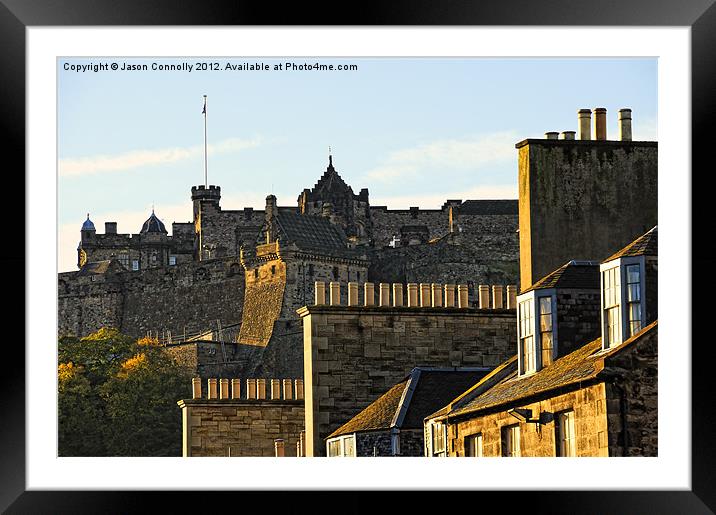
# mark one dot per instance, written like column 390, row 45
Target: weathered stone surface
column 241, row 428
column 431, row 337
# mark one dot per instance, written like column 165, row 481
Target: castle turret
column 204, row 199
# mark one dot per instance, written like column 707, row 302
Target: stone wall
column 651, row 284
column 352, row 355
column 242, row 418
column 582, row 200
column 189, row 297
column 488, row 255
column 590, row 410
column 226, row 230
column 616, row 414
column 387, row 223
column 265, row 285
column 373, row 443
column 245, row 428
column 578, row 318
column 632, row 399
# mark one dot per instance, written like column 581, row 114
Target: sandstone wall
column 352, row 355
column 590, row 410
column 582, row 200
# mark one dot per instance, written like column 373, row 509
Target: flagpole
column 206, row 180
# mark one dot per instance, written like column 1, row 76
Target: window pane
column 545, row 322
column 349, row 446
column 633, row 293
column 632, row 273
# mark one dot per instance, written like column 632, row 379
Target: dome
column 153, row 225
column 88, row 225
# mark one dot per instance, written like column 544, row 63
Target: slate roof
column 311, row 232
column 153, row 225
column 581, row 365
column 424, row 390
column 100, row 267
column 583, row 275
column 645, row 245
column 489, row 207
column 88, row 225
column 330, row 184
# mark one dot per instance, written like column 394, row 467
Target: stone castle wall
column 387, row 223
column 352, row 355
column 189, row 297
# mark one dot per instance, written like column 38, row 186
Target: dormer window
column 527, row 340
column 536, row 328
column 622, row 299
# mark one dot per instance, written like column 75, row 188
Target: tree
column 80, row 414
column 117, row 397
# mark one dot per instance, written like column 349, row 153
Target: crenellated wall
column 231, row 417
column 355, row 353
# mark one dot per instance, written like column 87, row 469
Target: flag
column 203, row 111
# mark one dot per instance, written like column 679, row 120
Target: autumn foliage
column 117, row 397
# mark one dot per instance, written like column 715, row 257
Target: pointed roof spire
column 330, row 159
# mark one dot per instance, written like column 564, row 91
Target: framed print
column 67, row 120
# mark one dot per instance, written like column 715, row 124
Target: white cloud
column 461, row 154
column 70, row 167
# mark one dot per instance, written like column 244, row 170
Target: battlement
column 255, row 389
column 415, row 295
column 203, row 193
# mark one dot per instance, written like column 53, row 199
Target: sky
column 414, row 131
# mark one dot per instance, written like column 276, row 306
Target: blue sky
column 413, row 131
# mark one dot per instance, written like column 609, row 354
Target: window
column 473, row 445
column 124, row 259
column 545, row 329
column 527, row 343
column 633, row 298
column 610, row 295
column 566, row 441
column 342, row 446
column 172, row 260
column 511, row 441
column 438, row 429
column 135, row 264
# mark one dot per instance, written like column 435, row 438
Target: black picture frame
column 17, row 15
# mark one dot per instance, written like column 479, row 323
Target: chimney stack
column 600, row 123
column 584, row 117
column 271, row 212
column 625, row 124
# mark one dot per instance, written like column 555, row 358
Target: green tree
column 141, row 405
column 80, row 414
column 117, row 397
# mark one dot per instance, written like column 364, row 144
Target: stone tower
column 205, row 201
column 350, row 211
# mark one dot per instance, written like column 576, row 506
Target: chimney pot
column 551, row 135
column 584, row 118
column 600, row 123
column 568, row 134
column 625, row 124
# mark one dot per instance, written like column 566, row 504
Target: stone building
column 151, row 248
column 581, row 198
column 253, row 269
column 597, row 400
column 355, row 352
column 393, row 424
column 230, row 420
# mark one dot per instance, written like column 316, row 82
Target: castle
column 228, row 284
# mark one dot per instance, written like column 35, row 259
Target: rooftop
column 583, row 275
column 407, row 403
column 504, row 386
column 645, row 245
